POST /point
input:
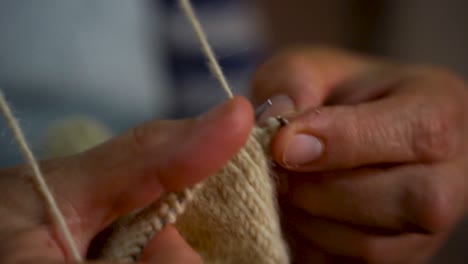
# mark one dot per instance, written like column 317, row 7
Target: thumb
column 135, row 168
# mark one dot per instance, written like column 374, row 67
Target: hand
column 126, row 173
column 375, row 155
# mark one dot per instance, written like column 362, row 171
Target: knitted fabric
column 232, row 216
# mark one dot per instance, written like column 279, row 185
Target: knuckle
column 448, row 78
column 291, row 59
column 434, row 210
column 283, row 66
column 150, row 134
column 433, row 139
column 452, row 85
column 288, row 61
column 140, row 137
column 294, row 60
column 436, row 128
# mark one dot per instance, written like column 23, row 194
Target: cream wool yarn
column 39, row 182
column 232, row 217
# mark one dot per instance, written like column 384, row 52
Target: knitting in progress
column 232, row 217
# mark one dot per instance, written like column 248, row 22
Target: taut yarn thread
column 230, row 218
column 205, row 46
column 39, row 182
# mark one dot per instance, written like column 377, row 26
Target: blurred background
column 124, row 62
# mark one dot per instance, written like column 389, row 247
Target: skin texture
column 390, row 181
column 115, row 178
column 387, row 186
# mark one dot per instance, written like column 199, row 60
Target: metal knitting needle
column 262, row 108
column 283, row 121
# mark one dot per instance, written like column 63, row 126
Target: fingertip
column 242, row 115
column 296, row 147
column 210, row 143
column 235, row 116
column 302, row 149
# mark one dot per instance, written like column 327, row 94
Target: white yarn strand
column 39, row 180
column 254, row 231
column 187, row 8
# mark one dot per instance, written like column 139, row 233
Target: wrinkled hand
column 375, row 156
column 126, row 173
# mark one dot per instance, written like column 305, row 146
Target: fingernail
column 280, row 105
column 302, row 149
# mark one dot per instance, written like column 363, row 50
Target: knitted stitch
column 232, row 218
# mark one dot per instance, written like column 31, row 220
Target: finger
column 169, row 247
column 301, row 250
column 36, row 246
column 134, row 169
column 410, row 198
column 337, row 239
column 303, row 78
column 405, row 126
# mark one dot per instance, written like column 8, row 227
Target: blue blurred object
column 60, row 58
column 114, row 60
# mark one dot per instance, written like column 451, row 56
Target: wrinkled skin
column 128, row 172
column 373, row 161
column 383, row 180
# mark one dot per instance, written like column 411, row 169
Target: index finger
column 307, row 76
column 416, row 121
